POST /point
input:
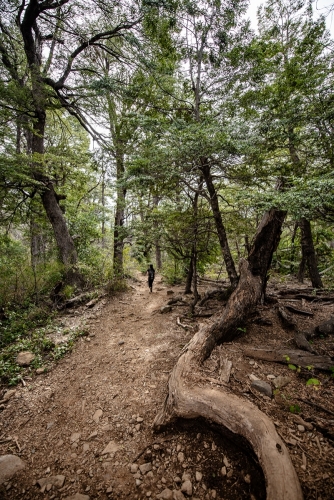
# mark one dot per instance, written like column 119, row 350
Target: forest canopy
column 144, row 131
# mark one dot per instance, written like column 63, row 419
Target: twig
column 320, row 407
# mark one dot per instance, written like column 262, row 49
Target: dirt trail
column 106, row 393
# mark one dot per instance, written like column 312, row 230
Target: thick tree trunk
column 308, row 253
column 265, row 243
column 188, row 396
column 66, row 248
column 228, row 259
column 119, row 216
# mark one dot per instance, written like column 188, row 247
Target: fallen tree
column 189, row 395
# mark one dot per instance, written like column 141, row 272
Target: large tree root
column 190, row 397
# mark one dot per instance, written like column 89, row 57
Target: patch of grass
column 29, row 330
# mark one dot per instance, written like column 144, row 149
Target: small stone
column 85, row 447
column 25, row 358
column 262, row 387
column 180, row 457
column 48, row 487
column 149, row 493
column 230, row 473
column 178, row 448
column 9, row 465
column 144, row 468
column 247, row 479
column 165, row 309
column 281, row 381
column 187, row 488
column 213, row 494
column 178, row 495
column 177, row 480
column 292, row 441
column 75, row 437
column 9, row 394
column 186, row 476
column 109, row 490
column 111, row 447
column 78, row 496
column 133, row 468
column 121, row 342
column 97, row 415
column 253, row 377
column 301, row 428
column 198, row 476
column 57, row 481
column 137, row 427
column 138, row 482
column 271, row 377
column 213, row 446
column 140, row 419
column 226, row 462
column 223, row 471
column 166, row 494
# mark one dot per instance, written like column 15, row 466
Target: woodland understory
column 173, row 133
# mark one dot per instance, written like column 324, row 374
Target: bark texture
column 308, row 253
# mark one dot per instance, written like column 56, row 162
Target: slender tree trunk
column 190, row 273
column 293, row 248
column 230, row 267
column 158, row 258
column 119, row 215
column 309, row 254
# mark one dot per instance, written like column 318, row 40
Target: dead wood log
column 287, row 318
column 187, row 398
column 291, row 356
column 298, row 311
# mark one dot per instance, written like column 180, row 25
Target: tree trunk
column 188, row 395
column 309, row 253
column 228, row 259
column 119, row 215
column 66, row 248
column 190, row 273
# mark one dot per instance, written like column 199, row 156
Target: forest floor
column 88, row 420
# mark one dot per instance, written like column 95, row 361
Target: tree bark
column 308, row 253
column 228, row 259
column 189, row 397
column 119, row 215
column 189, row 276
column 65, row 244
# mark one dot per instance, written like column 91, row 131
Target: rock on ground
column 9, row 465
column 24, row 358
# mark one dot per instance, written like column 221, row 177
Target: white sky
column 319, row 7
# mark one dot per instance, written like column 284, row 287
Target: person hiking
column 151, row 275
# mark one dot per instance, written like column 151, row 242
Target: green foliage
column 313, row 381
column 295, row 409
